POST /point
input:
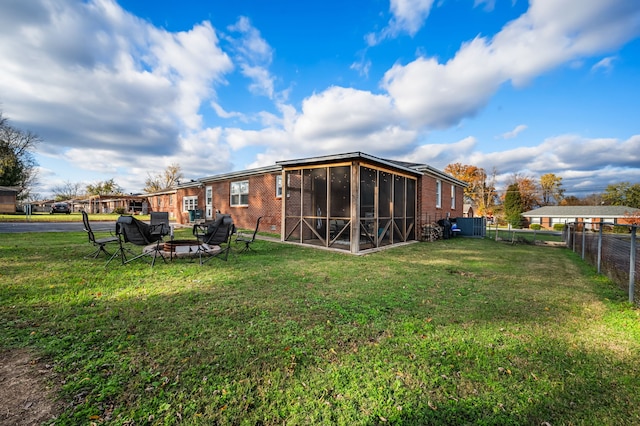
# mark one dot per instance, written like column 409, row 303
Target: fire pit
column 183, row 248
column 179, row 246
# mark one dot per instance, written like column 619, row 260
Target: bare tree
column 68, row 190
column 164, row 180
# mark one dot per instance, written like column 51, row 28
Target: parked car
column 60, row 208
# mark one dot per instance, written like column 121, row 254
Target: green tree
column 107, row 187
column 622, row 194
column 551, row 188
column 529, row 192
column 18, row 167
column 167, row 179
column 513, row 207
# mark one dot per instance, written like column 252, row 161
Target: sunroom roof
column 407, row 167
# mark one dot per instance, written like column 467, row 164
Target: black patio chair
column 133, row 231
column 248, row 240
column 99, row 243
column 214, row 238
column 158, row 219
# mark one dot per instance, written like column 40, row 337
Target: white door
column 209, row 202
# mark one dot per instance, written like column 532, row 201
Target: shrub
column 535, row 226
column 119, row 210
column 621, row 229
column 558, row 226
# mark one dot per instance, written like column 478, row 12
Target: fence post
column 599, row 246
column 584, row 239
column 632, row 264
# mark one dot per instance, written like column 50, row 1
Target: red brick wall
column 262, row 202
column 182, row 216
column 165, row 203
column 427, row 210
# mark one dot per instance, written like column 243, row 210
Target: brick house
column 550, row 215
column 131, row 204
column 167, row 201
column 353, row 202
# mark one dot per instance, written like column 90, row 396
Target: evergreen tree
column 513, row 206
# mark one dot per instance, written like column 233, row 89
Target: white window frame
column 279, row 186
column 438, row 194
column 238, row 191
column 189, row 203
column 453, row 197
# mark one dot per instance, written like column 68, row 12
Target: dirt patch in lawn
column 25, row 397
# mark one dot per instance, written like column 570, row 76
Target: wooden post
column 355, row 207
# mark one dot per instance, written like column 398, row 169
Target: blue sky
column 122, row 89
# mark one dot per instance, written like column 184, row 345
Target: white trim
column 239, row 190
column 189, row 203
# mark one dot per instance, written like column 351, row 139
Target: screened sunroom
column 353, row 202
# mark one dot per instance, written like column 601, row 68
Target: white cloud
column 570, row 156
column 226, row 114
column 586, row 164
column 439, row 155
column 88, row 74
column 113, row 93
column 605, row 64
column 489, row 5
column 549, row 34
column 515, row 132
column 254, row 55
column 336, row 120
column 407, row 16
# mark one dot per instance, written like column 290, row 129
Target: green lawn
column 461, row 331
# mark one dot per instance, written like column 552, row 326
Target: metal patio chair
column 161, row 218
column 248, row 240
column 98, row 243
column 211, row 234
column 133, row 231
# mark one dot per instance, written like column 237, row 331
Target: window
column 240, row 193
column 209, row 196
column 159, row 202
column 170, row 200
column 453, row 197
column 438, row 194
column 279, row 186
column 190, row 203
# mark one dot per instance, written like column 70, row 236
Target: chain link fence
column 614, row 254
